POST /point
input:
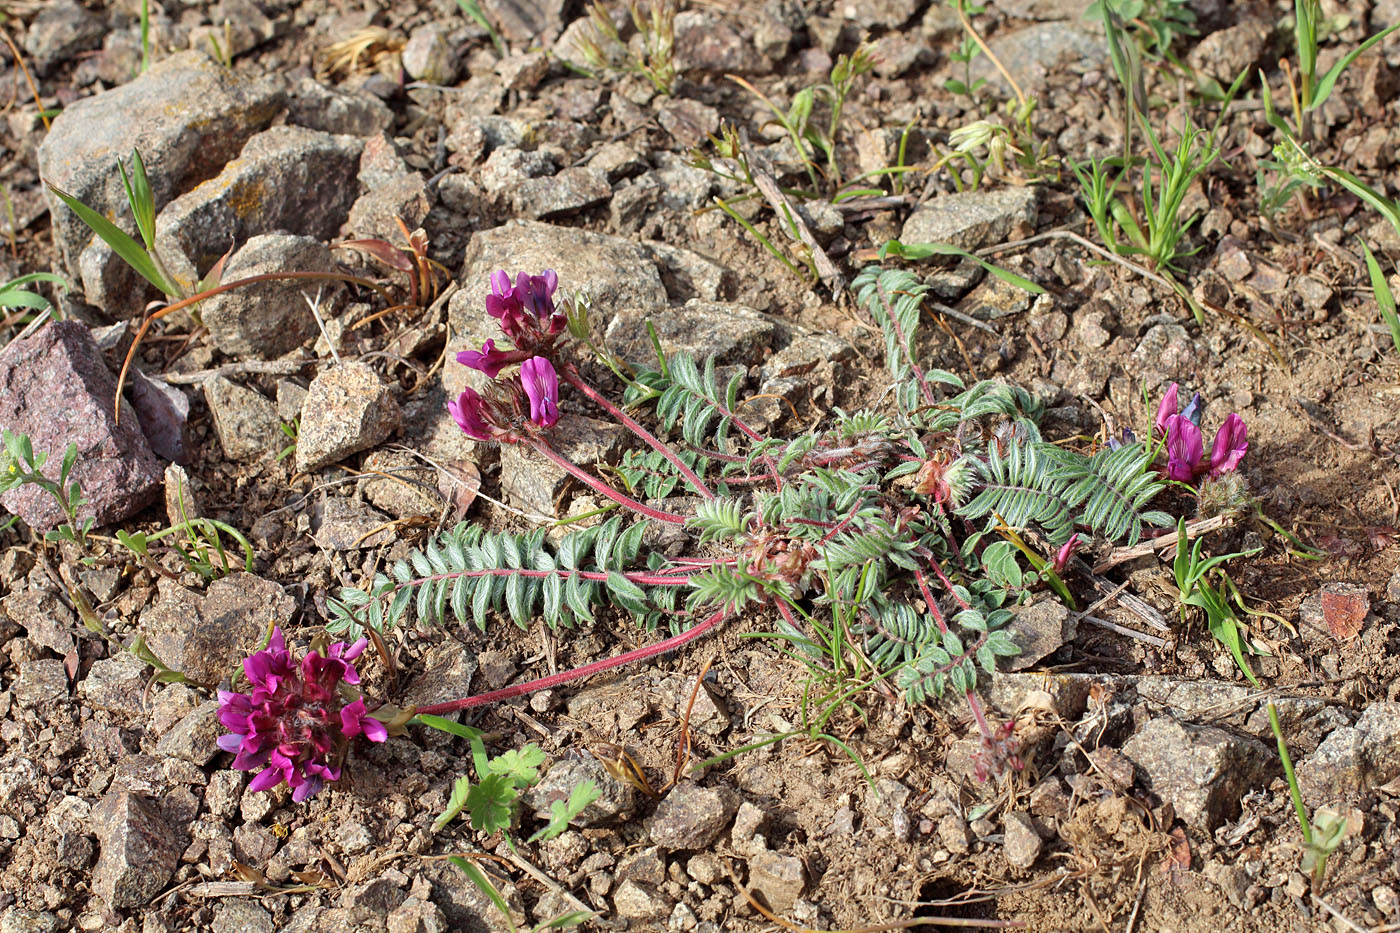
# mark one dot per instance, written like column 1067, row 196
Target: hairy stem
column 578, row 673
column 571, row 375
column 600, row 487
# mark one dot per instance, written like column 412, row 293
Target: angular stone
column 705, row 42
column 186, row 114
column 566, row 192
column 375, row 215
column 206, row 637
column 692, row 817
column 1022, row 843
column 288, row 179
column 195, row 737
column 618, row 800
column 116, row 684
column 971, row 219
column 347, row 409
column 55, row 387
column 61, row 31
column 1168, row 350
column 779, row 878
column 39, row 682
column 139, row 851
column 1038, row 629
column 639, row 902
column 271, row 318
column 244, row 421
column 429, row 56
column 732, row 333
column 1353, row 759
column 1201, row 770
column 521, row 20
column 1223, row 54
column 240, row 915
column 338, row 110
column 401, row 484
column 994, row 299
column 46, row 621
column 1031, row 52
column 341, row 524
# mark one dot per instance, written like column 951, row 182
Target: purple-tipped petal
column 489, row 360
column 1231, row 444
column 1165, row 409
column 230, row 743
column 541, row 384
column 267, row 779
column 1065, row 552
column 1192, row 411
column 467, row 411
column 1184, row 449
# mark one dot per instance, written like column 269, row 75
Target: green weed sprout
column 474, row 12
column 1324, row 833
column 1385, row 299
column 292, row 429
column 483, row 884
column 1192, row 580
column 20, row 466
column 651, row 54
column 1311, row 91
column 13, row 294
column 1156, row 24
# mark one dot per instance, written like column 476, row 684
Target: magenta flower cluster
column 1185, row 443
column 295, row 723
column 527, row 315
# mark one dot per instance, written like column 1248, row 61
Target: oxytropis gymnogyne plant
column 917, row 529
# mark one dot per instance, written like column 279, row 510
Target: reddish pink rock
column 56, row 388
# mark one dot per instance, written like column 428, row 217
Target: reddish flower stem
column 932, row 603
column 571, row 375
column 600, row 487
column 978, row 716
column 578, row 673
column 947, row 584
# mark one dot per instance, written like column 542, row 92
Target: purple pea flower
column 1184, row 448
column 1192, row 411
column 541, row 384
column 489, row 360
column 1231, row 444
column 294, row 721
column 1065, row 552
column 469, row 412
column 504, row 304
column 1165, row 409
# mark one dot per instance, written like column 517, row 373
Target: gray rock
column 117, row 684
column 1032, row 52
column 341, row 524
column 1038, row 629
column 618, row 800
column 46, row 621
column 522, row 71
column 163, row 412
column 347, row 409
column 245, row 421
column 428, row 56
column 507, row 169
column 885, row 14
column 692, row 817
column 639, row 902
column 1354, row 759
column 897, row 52
column 1045, row 9
column 400, row 484
column 994, row 299
column 954, row 834
column 779, row 878
column 40, row 682
column 287, row 179
column 646, row 867
column 16, row 920
column 688, row 121
column 617, row 160
column 180, row 501
column 416, row 915
column 186, row 114
column 195, row 737
column 271, row 318
column 704, row 41
column 448, row 670
column 1168, row 350
column 376, row 213
column 1022, row 843
column 239, row 915
column 207, row 637
column 55, row 387
column 1201, row 770
column 139, row 851
column 567, row 192
column 61, row 31
column 531, row 482
column 732, row 333
column 687, row 274
column 1226, row 52
column 338, row 110
column 971, row 219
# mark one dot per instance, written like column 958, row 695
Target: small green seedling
column 1192, row 581
column 1325, row 832
column 20, row 466
column 478, row 877
column 1385, row 299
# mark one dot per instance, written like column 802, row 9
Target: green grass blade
column 1385, row 299
column 1324, row 84
column 124, row 246
column 915, row 251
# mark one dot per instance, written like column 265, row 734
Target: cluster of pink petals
column 526, row 306
column 1186, row 445
column 294, row 722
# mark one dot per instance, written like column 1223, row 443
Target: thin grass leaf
column 1385, row 299
column 131, row 252
column 916, row 251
